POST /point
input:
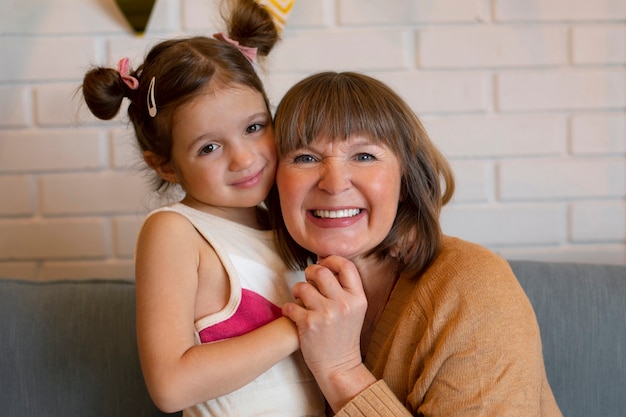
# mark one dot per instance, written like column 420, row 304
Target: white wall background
column 526, row 97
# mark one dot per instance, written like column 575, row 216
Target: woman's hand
column 329, row 314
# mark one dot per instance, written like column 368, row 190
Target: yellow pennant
column 279, row 9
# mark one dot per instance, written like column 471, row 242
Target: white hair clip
column 152, row 108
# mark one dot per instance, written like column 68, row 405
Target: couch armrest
column 581, row 310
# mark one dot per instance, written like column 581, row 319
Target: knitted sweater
column 460, row 340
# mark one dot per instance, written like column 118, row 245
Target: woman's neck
column 379, row 278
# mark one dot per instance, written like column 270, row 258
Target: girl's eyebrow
column 259, row 114
column 205, row 137
column 209, row 136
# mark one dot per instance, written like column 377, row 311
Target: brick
column 62, row 105
column 498, row 136
column 550, row 179
column 15, row 106
column 134, row 48
column 53, row 239
column 21, row 190
column 375, row 12
column 492, row 46
column 277, row 84
column 422, row 91
column 201, row 15
column 78, row 270
column 559, row 10
column 309, row 14
column 598, row 221
column 19, row 270
column 125, row 232
column 92, row 193
column 125, row 152
column 473, row 180
column 562, row 90
column 166, row 16
column 40, row 150
column 204, row 16
column 599, row 134
column 531, row 224
column 604, row 44
column 58, row 58
column 294, row 54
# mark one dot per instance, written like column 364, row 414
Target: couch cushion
column 69, row 349
column 581, row 310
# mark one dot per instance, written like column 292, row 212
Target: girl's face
column 223, row 152
column 339, row 198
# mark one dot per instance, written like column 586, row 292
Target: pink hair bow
column 247, row 51
column 123, row 69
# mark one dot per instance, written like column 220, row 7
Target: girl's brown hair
column 181, row 68
column 336, row 106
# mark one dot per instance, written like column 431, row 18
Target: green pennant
column 137, row 13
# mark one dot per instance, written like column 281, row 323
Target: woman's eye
column 365, row 157
column 303, row 159
column 254, row 128
column 207, row 149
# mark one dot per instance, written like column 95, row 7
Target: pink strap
column 123, row 69
column 248, row 52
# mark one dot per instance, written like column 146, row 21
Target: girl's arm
column 179, row 373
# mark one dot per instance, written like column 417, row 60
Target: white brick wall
column 527, row 98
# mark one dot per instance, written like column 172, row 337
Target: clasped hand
column 329, row 312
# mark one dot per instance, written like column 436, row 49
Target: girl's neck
column 247, row 216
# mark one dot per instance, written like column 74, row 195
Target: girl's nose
column 334, row 177
column 242, row 157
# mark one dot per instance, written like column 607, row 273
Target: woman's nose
column 334, row 177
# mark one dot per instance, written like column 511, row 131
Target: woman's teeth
column 336, row 214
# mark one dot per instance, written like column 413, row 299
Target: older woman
column 395, row 318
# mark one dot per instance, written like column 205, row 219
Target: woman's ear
column 164, row 169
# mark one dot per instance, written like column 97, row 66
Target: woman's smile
column 336, row 214
column 343, row 195
column 336, row 218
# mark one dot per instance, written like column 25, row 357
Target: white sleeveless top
column 260, row 284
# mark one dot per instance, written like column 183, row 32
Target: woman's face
column 339, row 198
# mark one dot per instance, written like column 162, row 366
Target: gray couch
column 68, row 348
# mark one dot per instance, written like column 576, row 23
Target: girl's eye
column 207, row 149
column 254, row 128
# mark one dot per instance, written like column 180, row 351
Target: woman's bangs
column 342, row 114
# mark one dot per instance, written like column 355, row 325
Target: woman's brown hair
column 336, row 106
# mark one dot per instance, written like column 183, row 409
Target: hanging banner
column 137, row 13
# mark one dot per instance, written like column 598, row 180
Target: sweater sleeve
column 376, row 400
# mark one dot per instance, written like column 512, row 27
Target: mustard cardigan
column 460, row 340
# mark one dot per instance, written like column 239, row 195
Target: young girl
column 210, row 286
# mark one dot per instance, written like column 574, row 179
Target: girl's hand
column 329, row 312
